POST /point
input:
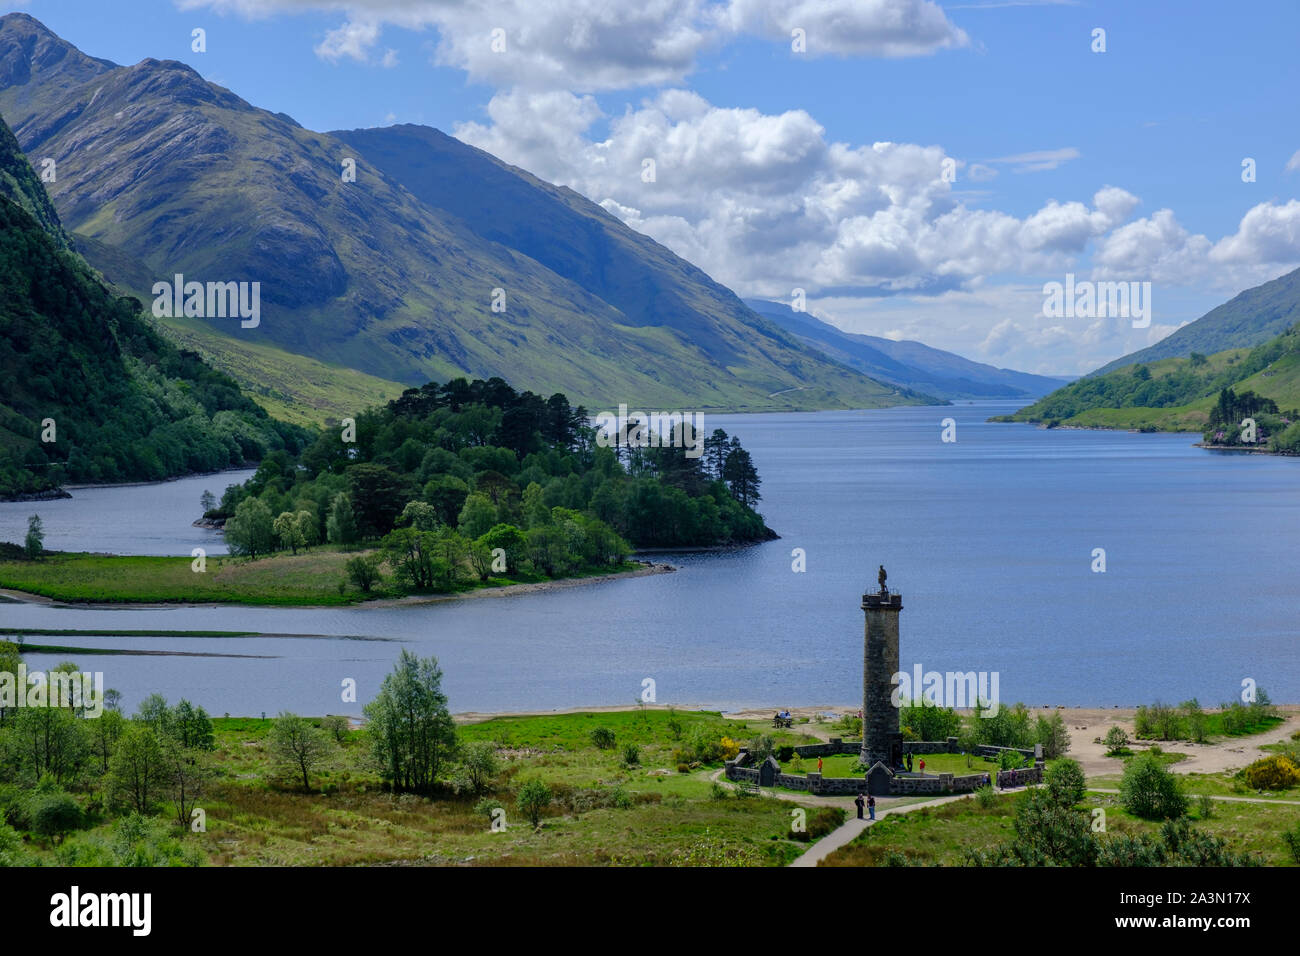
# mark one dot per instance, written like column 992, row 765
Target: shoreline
column 1077, row 712
column 504, row 590
column 1241, row 449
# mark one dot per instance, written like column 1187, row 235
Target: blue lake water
column 990, row 540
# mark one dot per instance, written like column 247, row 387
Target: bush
column 337, row 726
column 533, row 798
column 683, row 768
column 1158, row 722
column 1292, row 840
column 1065, row 782
column 53, row 814
column 823, row 820
column 1116, row 740
column 363, row 571
column 1272, row 773
column 1150, row 791
column 631, row 755
column 986, row 797
column 603, row 738
column 1205, row 804
column 1010, row 760
column 1052, row 734
column 718, row 791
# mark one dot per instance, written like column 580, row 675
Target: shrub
column 729, row 748
column 631, row 755
column 533, row 798
column 1205, row 804
column 718, row 791
column 825, row 820
column 363, row 571
column 1065, row 782
column 1272, row 773
column 12, row 852
column 53, row 814
column 603, row 738
column 1052, row 734
column 683, row 768
column 1150, row 791
column 1010, row 760
column 1116, row 740
column 337, row 726
column 1292, row 840
column 986, row 797
column 1158, row 722
column 1194, row 720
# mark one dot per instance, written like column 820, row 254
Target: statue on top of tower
column 881, row 577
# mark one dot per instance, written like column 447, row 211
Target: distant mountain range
column 396, row 274
column 1248, row 319
column 908, row 364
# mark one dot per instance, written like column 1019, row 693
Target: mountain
column 162, row 173
column 21, row 186
column 906, row 363
column 1197, row 393
column 91, row 391
column 1253, row 317
column 1176, row 387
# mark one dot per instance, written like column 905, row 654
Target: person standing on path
column 922, row 765
column 860, row 803
column 819, row 764
column 871, row 807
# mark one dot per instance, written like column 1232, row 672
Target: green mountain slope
column 1183, row 394
column 158, row 165
column 84, row 368
column 21, row 186
column 1253, row 317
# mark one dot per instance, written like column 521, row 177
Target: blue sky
column 769, row 175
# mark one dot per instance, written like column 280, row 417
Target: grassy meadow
column 605, row 810
column 940, row 835
column 309, row 578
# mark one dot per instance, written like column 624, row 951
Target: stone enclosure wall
column 1020, row 778
column 815, row 783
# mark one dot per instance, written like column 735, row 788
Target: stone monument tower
column 881, row 739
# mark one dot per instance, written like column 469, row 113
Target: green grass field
column 604, row 812
column 292, row 388
column 305, row 579
column 941, row 835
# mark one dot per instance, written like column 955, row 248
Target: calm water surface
column 990, row 540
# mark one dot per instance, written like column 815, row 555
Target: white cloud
column 351, row 41
column 765, row 202
column 593, row 45
column 849, row 27
column 1037, row 161
column 1293, row 163
column 1160, row 249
